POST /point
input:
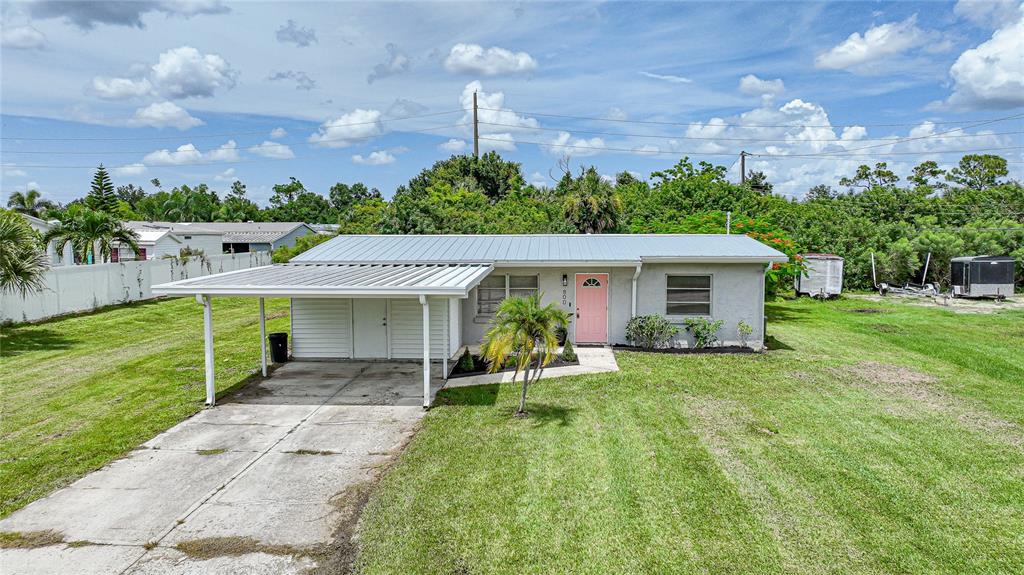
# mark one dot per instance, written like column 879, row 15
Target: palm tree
column 91, row 233
column 30, row 203
column 22, row 259
column 522, row 328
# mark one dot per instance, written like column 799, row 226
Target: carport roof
column 321, row 279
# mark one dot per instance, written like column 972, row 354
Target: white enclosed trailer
column 823, row 276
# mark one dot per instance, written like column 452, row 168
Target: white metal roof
column 560, row 249
column 296, row 280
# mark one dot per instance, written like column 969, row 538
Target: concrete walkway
column 273, row 469
column 591, row 360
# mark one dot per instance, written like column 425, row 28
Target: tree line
column 974, row 208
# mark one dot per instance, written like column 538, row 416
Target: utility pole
column 476, row 130
column 743, row 165
column 728, row 223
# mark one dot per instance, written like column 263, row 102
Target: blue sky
column 211, row 91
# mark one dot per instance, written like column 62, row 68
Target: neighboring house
column 64, row 257
column 370, row 297
column 159, row 239
column 242, row 237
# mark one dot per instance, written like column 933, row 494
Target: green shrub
column 568, row 353
column 744, row 329
column 650, row 331
column 466, row 362
column 705, row 331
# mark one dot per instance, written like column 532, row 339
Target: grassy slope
column 79, row 392
column 785, row 462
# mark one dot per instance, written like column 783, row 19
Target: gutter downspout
column 636, row 274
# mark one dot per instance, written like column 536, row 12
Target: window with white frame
column 688, row 295
column 496, row 287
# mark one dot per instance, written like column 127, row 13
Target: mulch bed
column 480, row 367
column 688, row 350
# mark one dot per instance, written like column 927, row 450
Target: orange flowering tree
column 780, row 276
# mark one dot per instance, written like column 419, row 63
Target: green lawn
column 79, row 392
column 888, row 442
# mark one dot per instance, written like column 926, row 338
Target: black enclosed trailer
column 982, row 276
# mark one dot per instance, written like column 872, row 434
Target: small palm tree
column 22, row 259
column 30, row 203
column 521, row 330
column 91, row 233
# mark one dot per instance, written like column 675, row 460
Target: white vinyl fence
column 72, row 289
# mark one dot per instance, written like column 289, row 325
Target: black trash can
column 278, row 347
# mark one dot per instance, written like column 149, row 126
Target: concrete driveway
column 269, row 481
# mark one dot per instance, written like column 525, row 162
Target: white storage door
column 321, row 328
column 406, row 324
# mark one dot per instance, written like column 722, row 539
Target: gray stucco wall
column 737, row 293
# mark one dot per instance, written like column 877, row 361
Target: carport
column 336, row 302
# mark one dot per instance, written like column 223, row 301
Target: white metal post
column 447, row 341
column 426, row 351
column 263, row 338
column 211, row 396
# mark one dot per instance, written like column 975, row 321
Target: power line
column 702, row 124
column 220, row 135
column 662, row 137
column 730, row 154
column 264, row 146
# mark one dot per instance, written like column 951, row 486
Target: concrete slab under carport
column 270, row 463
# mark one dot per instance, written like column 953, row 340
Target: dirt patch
column 957, row 305
column 867, row 310
column 312, row 452
column 908, row 392
column 29, row 539
column 886, row 328
column 211, row 547
column 340, row 556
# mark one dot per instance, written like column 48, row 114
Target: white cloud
column 538, row 180
column 616, row 113
column 404, row 108
column 671, row 79
column 859, row 52
column 185, row 72
column 454, row 145
column 22, row 37
column 179, row 73
column 120, row 88
column 278, row 133
column 86, row 15
column 378, row 158
column 754, row 86
column 564, row 145
column 164, row 115
column 500, row 142
column 291, row 32
column 15, row 173
column 647, row 149
column 342, row 131
column 474, row 59
column 301, row 79
column 988, row 13
column 273, row 150
column 492, row 113
column 396, row 63
column 130, row 170
column 189, row 154
column 227, row 175
column 992, row 75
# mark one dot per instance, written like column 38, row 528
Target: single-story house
column 244, row 237
column 159, row 239
column 426, row 296
column 64, row 257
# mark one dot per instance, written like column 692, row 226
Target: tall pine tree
column 102, row 197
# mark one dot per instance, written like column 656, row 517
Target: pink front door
column 591, row 308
